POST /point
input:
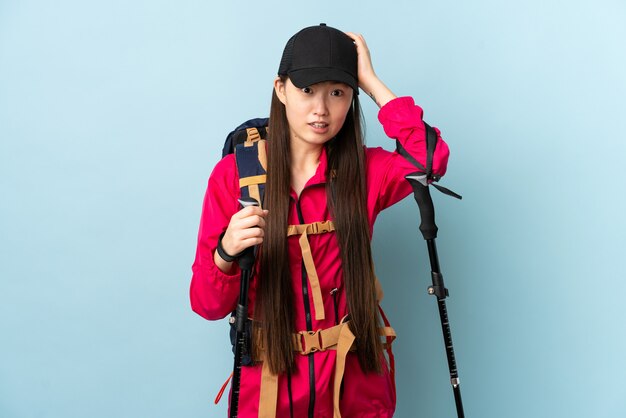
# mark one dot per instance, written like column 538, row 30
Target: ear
column 279, row 88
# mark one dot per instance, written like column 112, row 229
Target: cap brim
column 309, row 76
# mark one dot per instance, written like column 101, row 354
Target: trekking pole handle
column 424, row 201
column 246, row 259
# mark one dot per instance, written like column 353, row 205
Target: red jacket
column 214, row 294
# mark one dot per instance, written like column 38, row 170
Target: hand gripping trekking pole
column 246, row 264
column 429, row 231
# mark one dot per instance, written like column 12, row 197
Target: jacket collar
column 320, row 174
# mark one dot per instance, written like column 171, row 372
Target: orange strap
column 306, row 342
column 346, row 339
column 253, row 136
column 262, row 152
column 304, row 230
column 255, row 193
column 252, row 183
column 312, row 228
column 269, row 393
column 247, row 181
column 339, row 338
column 314, row 281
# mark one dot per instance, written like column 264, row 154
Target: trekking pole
column 429, row 229
column 246, row 263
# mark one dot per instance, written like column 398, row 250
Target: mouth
column 319, row 125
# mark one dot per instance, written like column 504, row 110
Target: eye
column 306, row 90
column 337, row 92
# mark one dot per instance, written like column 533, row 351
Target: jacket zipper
column 334, row 293
column 290, row 395
column 309, row 324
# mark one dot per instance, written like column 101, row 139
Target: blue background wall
column 112, row 114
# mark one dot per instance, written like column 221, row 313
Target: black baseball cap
column 320, row 53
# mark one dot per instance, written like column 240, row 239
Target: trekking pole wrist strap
column 222, row 253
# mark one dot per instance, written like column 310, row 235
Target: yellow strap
column 246, row 181
column 311, row 229
column 339, row 338
column 330, row 336
column 316, row 289
column 253, row 136
column 320, row 340
column 269, row 392
column 307, row 256
column 253, row 191
column 346, row 339
column 262, row 153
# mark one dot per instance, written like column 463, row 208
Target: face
column 315, row 113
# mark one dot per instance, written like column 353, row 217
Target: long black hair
column 275, row 311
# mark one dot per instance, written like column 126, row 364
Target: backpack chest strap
column 339, row 338
column 304, row 230
column 311, row 229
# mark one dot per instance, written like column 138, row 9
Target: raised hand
column 368, row 80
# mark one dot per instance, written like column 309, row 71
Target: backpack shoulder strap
column 251, row 161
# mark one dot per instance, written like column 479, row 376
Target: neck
column 305, row 157
column 304, row 162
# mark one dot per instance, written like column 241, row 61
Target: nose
column 320, row 107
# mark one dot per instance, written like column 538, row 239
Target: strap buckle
column 320, row 227
column 310, row 342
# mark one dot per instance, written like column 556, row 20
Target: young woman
column 314, row 298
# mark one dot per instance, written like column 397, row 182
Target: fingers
column 246, row 228
column 365, row 68
column 351, row 35
column 355, row 36
column 250, row 217
column 359, row 41
column 250, row 210
column 245, row 238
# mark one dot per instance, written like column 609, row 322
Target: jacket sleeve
column 213, row 293
column 402, row 120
